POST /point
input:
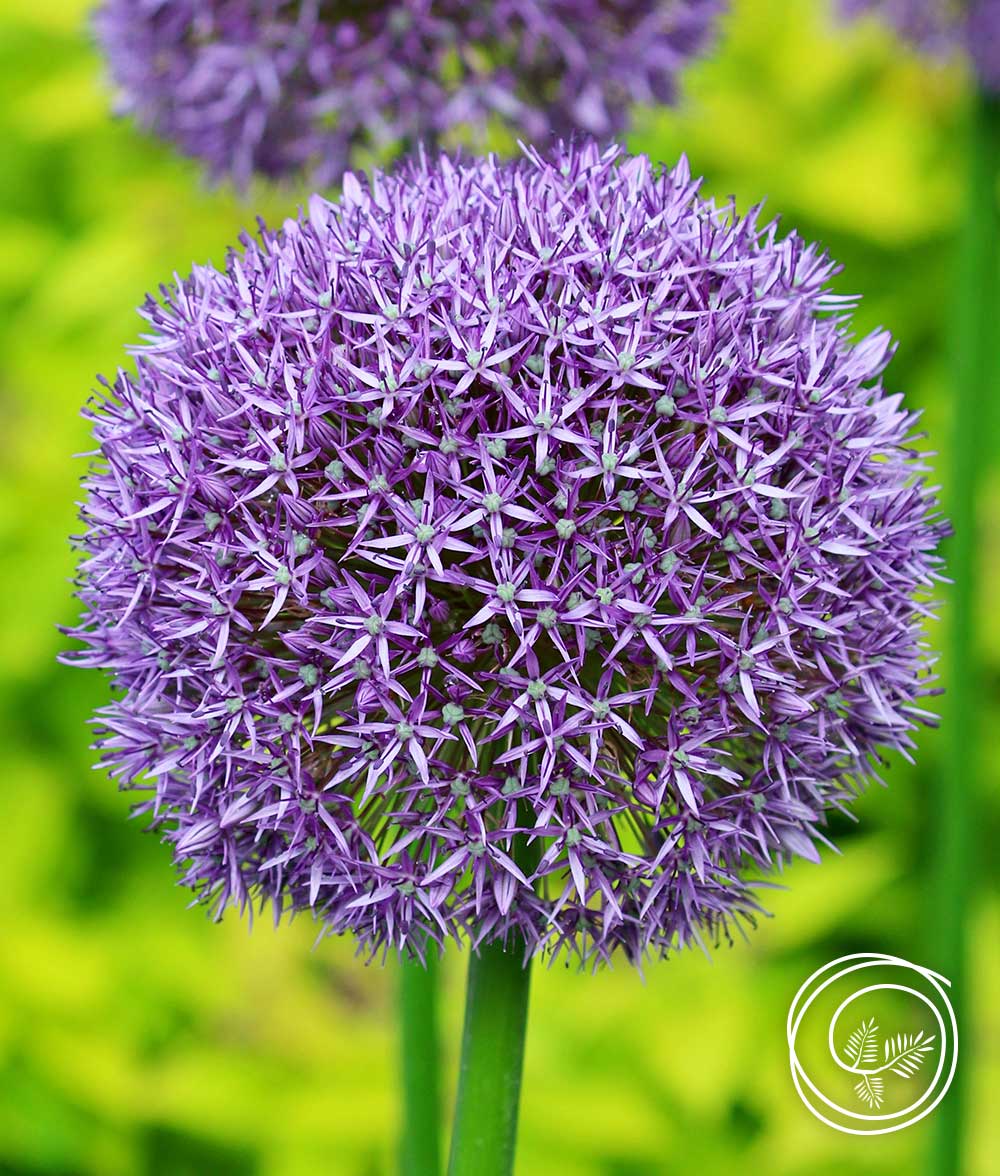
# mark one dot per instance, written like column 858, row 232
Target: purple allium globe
column 943, row 26
column 274, row 87
column 506, row 548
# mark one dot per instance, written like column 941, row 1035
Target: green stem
column 421, row 1147
column 977, row 313
column 489, row 1081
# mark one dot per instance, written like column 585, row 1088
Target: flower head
column 942, row 26
column 505, row 547
column 273, row 87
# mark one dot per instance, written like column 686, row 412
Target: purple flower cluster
column 506, row 547
column 942, row 26
column 274, row 87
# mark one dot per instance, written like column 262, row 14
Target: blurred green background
column 135, row 1036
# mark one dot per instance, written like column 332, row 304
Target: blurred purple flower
column 501, row 504
column 273, row 87
column 943, row 26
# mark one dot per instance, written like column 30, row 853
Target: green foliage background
column 136, row 1037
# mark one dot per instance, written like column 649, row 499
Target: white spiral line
column 948, row 1037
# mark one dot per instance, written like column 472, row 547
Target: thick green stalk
column 977, row 317
column 421, row 1147
column 489, row 1081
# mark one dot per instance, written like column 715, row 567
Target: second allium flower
column 505, row 548
column 273, row 87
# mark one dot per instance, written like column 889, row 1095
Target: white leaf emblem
column 903, row 1055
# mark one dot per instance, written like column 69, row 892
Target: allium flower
column 505, row 547
column 943, row 26
column 270, row 86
